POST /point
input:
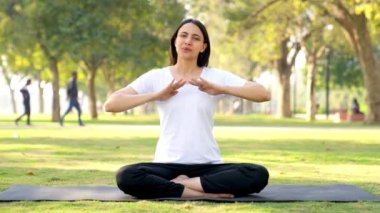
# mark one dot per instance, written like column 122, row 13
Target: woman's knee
column 127, row 178
column 262, row 171
column 258, row 176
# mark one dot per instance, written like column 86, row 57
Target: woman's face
column 189, row 42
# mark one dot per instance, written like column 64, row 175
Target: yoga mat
column 272, row 193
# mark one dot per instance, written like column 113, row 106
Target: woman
column 187, row 161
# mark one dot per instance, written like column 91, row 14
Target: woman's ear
column 204, row 47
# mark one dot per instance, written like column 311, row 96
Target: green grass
column 152, row 119
column 46, row 154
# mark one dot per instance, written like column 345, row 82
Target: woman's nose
column 188, row 40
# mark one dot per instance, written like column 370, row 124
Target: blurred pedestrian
column 72, row 96
column 26, row 102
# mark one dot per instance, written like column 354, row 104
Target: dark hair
column 29, row 81
column 202, row 57
column 74, row 74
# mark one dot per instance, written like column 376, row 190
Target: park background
column 314, row 56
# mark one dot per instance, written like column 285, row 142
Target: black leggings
column 152, row 180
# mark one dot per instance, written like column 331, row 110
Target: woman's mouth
column 186, row 49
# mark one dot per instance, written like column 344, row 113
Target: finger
column 197, row 82
column 202, row 82
column 179, row 84
column 172, row 83
column 194, row 82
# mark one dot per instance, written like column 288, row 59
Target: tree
column 32, row 63
column 20, row 53
column 43, row 23
column 6, row 38
column 90, row 37
column 270, row 26
column 7, row 72
column 315, row 28
column 104, row 34
column 356, row 18
column 226, row 54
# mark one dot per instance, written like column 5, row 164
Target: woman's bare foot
column 219, row 195
column 187, row 192
column 193, row 188
column 179, row 178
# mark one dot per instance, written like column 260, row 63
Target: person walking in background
column 72, row 95
column 26, row 102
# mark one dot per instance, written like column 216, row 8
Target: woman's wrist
column 153, row 96
column 225, row 90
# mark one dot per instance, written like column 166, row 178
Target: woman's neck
column 186, row 70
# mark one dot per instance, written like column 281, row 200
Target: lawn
column 300, row 153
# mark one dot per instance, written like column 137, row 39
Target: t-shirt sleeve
column 231, row 79
column 144, row 83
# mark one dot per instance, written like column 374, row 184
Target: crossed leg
column 155, row 180
column 193, row 188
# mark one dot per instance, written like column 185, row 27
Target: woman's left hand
column 206, row 86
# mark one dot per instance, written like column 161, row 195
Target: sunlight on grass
column 327, row 134
column 91, row 155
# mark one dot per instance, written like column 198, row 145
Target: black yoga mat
column 273, row 193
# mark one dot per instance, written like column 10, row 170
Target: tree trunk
column 371, row 70
column 56, row 105
column 11, row 90
column 311, row 102
column 356, row 29
column 40, row 97
column 110, row 85
column 247, row 107
column 284, row 110
column 91, row 90
column 283, row 68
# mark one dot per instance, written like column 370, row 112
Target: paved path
column 156, row 127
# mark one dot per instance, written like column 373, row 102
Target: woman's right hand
column 170, row 90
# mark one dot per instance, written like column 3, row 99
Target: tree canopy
column 114, row 41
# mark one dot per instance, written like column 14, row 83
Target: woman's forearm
column 251, row 91
column 120, row 102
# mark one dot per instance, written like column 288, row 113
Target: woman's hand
column 250, row 90
column 207, row 87
column 170, row 90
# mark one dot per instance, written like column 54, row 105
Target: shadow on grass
column 300, row 150
column 81, row 150
column 305, row 151
column 54, row 177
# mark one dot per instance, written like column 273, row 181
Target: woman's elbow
column 108, row 107
column 261, row 93
column 265, row 96
column 268, row 96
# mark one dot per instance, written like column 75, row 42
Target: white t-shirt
column 186, row 119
